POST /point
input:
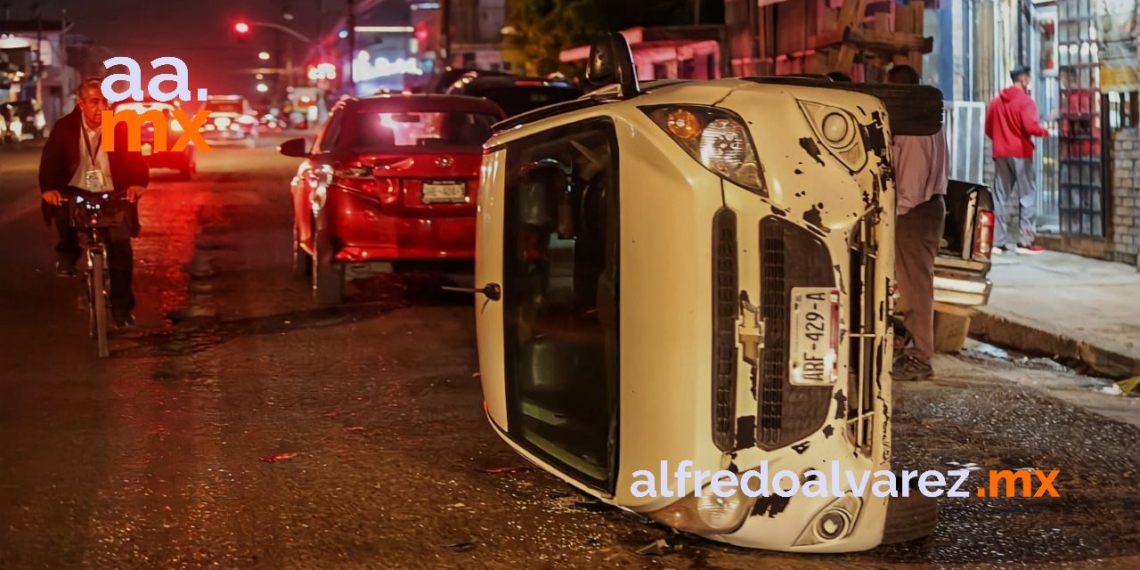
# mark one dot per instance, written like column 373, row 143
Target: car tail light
column 528, row 84
column 984, row 234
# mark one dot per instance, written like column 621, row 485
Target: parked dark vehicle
column 31, row 119
column 963, row 263
column 443, row 81
column 516, row 95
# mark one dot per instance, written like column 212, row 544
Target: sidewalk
column 1063, row 305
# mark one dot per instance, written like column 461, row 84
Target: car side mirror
column 611, row 61
column 294, row 148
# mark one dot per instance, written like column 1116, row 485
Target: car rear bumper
column 363, row 231
column 962, row 290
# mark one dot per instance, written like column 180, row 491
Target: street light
column 262, row 88
column 241, row 28
column 264, row 56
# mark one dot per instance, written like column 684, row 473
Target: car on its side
column 390, row 178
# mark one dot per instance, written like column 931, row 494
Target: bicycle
column 94, row 214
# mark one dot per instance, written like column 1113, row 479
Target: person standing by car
column 922, row 174
column 73, row 158
column 1011, row 122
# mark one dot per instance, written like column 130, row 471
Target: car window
column 560, row 304
column 393, row 131
column 327, row 139
column 225, row 107
column 517, row 100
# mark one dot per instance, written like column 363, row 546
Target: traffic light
column 241, row 30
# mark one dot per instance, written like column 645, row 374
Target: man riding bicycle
column 74, row 160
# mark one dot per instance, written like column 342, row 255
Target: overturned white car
column 700, row 271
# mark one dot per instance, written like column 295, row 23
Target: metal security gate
column 1042, row 44
column 965, row 123
column 1081, row 201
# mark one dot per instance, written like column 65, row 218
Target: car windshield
column 406, row 130
column 224, row 106
column 518, row 99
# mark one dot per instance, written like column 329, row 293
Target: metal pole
column 352, row 46
column 39, row 57
column 445, row 33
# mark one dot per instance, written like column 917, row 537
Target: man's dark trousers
column 917, row 237
column 120, row 259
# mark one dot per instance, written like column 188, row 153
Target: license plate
column 444, row 192
column 146, row 150
column 814, row 350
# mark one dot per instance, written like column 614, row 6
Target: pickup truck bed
column 963, row 262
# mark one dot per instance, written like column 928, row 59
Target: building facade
column 1083, row 57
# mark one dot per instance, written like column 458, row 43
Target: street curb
column 1035, row 340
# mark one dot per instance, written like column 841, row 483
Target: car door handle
column 491, row 290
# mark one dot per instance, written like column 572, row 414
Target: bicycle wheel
column 99, row 307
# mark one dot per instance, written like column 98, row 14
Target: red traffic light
column 241, row 28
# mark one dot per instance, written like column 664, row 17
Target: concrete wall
column 1126, row 195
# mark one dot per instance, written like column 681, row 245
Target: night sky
column 197, row 31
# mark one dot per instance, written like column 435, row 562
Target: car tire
column 302, row 261
column 328, row 276
column 190, row 167
column 910, row 518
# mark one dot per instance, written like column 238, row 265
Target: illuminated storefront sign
column 365, row 68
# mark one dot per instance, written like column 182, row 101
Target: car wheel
column 302, row 261
column 328, row 276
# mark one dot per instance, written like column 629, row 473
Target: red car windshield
column 404, row 131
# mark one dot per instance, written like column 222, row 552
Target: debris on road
column 332, row 414
column 461, row 546
column 502, row 470
column 656, row 548
column 354, row 428
column 280, row 457
column 1112, row 390
column 966, row 466
column 1128, row 386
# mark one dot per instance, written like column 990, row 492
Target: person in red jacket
column 1011, row 122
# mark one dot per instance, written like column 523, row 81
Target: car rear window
column 224, row 106
column 518, row 99
column 407, row 130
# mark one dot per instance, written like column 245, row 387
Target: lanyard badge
column 93, row 179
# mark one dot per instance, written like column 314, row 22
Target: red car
column 390, row 178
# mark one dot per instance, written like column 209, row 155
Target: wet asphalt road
column 150, row 459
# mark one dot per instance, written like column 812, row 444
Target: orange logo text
column 190, row 129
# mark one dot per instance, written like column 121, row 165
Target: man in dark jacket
column 74, row 159
column 1010, row 122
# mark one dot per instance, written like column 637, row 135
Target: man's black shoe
column 64, row 270
column 125, row 321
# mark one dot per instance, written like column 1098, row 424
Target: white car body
column 668, row 205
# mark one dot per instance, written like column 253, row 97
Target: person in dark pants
column 74, row 158
column 922, row 174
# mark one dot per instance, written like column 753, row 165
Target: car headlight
column 839, row 132
column 707, row 514
column 716, row 138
